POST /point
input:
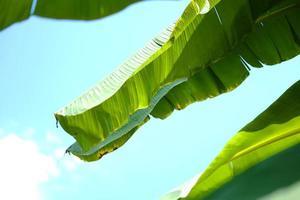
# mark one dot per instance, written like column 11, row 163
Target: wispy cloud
column 29, row 132
column 23, row 168
column 68, row 162
column 52, row 137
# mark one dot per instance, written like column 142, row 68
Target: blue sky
column 47, row 63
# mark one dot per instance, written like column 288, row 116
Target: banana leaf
column 80, row 9
column 207, row 52
column 261, row 158
column 12, row 11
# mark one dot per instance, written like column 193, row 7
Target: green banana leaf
column 261, row 158
column 80, row 9
column 207, row 52
column 12, row 11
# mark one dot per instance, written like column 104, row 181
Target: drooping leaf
column 120, row 136
column 261, row 158
column 210, row 47
column 12, row 11
column 270, row 41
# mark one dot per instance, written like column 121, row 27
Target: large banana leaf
column 207, row 52
column 12, row 11
column 261, row 158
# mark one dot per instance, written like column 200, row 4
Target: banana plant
column 261, row 160
column 208, row 51
column 12, row 11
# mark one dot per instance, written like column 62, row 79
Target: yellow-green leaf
column 261, row 158
column 211, row 47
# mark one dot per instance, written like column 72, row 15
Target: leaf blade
column 212, row 65
column 273, row 131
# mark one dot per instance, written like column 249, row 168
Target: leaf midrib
column 264, row 143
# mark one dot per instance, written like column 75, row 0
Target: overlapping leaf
column 268, row 147
column 206, row 53
column 12, row 11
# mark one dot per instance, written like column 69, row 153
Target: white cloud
column 72, row 163
column 69, row 162
column 59, row 153
column 29, row 132
column 23, row 168
column 52, row 137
